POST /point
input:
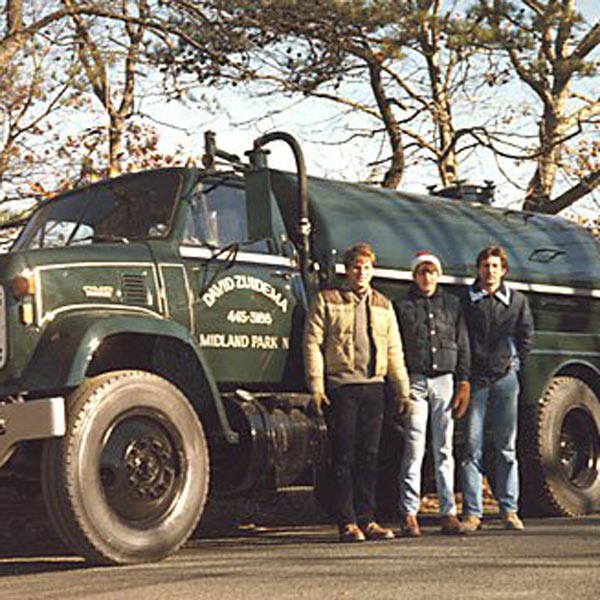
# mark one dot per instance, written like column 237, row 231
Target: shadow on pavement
column 29, row 566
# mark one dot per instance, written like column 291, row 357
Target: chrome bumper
column 31, row 420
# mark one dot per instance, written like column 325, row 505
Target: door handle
column 287, row 275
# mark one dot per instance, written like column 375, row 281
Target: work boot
column 450, row 525
column 471, row 523
column 511, row 521
column 410, row 527
column 375, row 532
column 350, row 532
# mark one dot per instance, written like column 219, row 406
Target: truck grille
column 135, row 290
column 3, row 350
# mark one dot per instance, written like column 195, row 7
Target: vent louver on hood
column 135, row 290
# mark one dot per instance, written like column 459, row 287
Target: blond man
column 352, row 346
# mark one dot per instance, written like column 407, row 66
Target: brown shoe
column 511, row 521
column 471, row 523
column 410, row 527
column 375, row 532
column 450, row 525
column 351, row 533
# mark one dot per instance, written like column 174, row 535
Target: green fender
column 559, row 353
column 534, row 379
column 66, row 349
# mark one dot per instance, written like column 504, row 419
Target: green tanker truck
column 150, row 341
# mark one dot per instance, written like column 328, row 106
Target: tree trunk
column 552, row 131
column 115, row 144
column 429, row 40
column 14, row 16
column 393, row 175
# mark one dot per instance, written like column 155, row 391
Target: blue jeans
column 502, row 399
column 432, row 395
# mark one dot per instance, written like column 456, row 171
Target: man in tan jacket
column 352, row 346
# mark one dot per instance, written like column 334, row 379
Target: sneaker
column 375, row 532
column 511, row 521
column 410, row 527
column 450, row 525
column 351, row 533
column 471, row 523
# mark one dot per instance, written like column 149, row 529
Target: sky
column 309, row 121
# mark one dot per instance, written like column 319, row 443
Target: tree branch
column 589, row 183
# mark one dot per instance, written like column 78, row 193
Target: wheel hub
column 140, row 467
column 150, row 467
column 579, row 449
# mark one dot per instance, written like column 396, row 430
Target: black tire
column 128, row 481
column 561, row 451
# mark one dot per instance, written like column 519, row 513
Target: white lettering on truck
column 244, row 282
column 242, row 341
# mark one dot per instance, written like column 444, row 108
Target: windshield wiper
column 230, row 251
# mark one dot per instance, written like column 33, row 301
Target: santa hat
column 424, row 256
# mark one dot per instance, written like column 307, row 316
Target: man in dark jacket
column 500, row 331
column 436, row 350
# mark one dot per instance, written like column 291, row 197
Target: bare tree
column 26, row 21
column 414, row 56
column 35, row 85
column 98, row 63
column 51, row 55
column 555, row 55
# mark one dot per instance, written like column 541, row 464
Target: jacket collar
column 414, row 291
column 476, row 293
column 351, row 294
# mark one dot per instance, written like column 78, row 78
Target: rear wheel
column 128, row 481
column 562, row 451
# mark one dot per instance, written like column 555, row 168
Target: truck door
column 244, row 292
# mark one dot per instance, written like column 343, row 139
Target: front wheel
column 128, row 481
column 562, row 459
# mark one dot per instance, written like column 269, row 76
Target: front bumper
column 31, row 420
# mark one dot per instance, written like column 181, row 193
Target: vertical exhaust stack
column 304, row 226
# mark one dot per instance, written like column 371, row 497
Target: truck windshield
column 129, row 208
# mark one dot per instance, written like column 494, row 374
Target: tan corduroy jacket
column 329, row 340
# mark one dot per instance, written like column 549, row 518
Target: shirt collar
column 355, row 297
column 477, row 293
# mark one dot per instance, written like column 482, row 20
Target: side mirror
column 258, row 205
column 327, row 272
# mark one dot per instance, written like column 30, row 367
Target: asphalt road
column 552, row 558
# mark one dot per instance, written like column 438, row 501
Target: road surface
column 552, row 558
